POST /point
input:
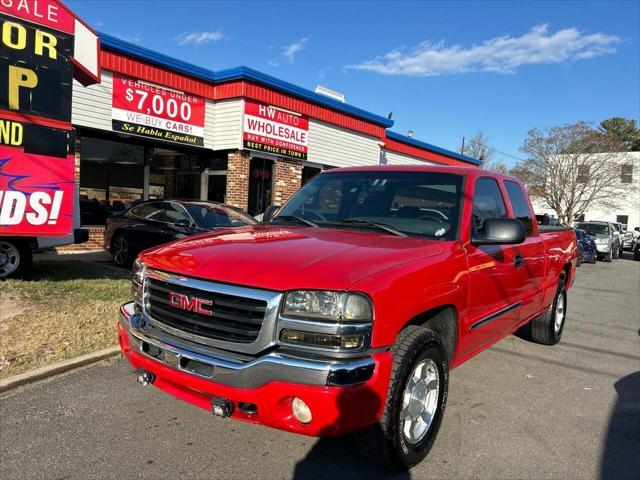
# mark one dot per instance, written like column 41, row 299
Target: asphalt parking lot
column 518, row 410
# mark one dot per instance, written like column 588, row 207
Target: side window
column 148, row 211
column 487, row 202
column 520, row 205
column 174, row 212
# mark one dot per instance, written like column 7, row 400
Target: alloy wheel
column 560, row 313
column 120, row 250
column 420, row 401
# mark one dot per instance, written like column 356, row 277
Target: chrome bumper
column 271, row 367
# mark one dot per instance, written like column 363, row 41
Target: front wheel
column 121, row 250
column 415, row 402
column 15, row 258
column 607, row 257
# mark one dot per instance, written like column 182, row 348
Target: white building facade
column 627, row 212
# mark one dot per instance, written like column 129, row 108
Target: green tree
column 622, row 129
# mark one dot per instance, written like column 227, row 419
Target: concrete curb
column 41, row 373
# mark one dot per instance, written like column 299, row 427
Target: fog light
column 301, row 411
column 348, row 342
column 144, row 377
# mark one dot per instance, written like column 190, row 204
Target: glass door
column 260, row 185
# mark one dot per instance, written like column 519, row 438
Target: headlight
column 601, row 241
column 328, row 305
column 137, row 277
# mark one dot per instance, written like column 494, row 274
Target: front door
column 213, row 185
column 493, row 289
column 260, row 185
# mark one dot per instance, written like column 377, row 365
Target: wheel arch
column 443, row 321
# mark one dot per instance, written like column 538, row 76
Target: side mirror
column 183, row 223
column 270, row 212
column 499, row 231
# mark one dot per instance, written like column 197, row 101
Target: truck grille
column 231, row 319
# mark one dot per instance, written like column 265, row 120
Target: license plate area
column 186, row 364
column 197, row 368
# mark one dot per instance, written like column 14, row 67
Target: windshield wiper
column 379, row 226
column 297, row 218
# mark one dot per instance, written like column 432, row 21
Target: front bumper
column 603, row 248
column 343, row 395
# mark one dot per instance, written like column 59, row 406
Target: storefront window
column 113, row 174
column 111, row 177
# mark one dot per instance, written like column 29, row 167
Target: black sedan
column 155, row 222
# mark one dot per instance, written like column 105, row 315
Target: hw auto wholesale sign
column 141, row 108
column 273, row 130
column 36, row 139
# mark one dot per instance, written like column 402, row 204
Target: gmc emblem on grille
column 190, row 304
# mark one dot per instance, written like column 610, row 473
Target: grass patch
column 67, row 309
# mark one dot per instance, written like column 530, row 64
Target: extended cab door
column 530, row 270
column 494, row 288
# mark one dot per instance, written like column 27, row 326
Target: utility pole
column 462, row 147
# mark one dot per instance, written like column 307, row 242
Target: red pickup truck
column 346, row 311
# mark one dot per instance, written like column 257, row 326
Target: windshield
column 212, row 215
column 413, row 203
column 594, row 228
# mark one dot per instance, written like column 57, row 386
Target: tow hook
column 145, row 377
column 221, row 407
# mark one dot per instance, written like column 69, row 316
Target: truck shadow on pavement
column 338, row 457
column 334, row 458
column 621, row 455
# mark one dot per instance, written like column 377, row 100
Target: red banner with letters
column 35, row 201
column 142, row 108
column 38, row 52
column 275, row 130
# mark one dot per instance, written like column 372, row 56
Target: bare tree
column 478, row 147
column 571, row 168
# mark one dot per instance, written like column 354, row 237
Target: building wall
column 338, row 147
column 238, row 179
column 394, row 158
column 91, row 106
column 629, row 198
column 288, row 178
column 223, row 124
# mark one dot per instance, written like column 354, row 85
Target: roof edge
column 238, row 73
column 432, row 148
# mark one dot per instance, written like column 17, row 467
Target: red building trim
column 134, row 68
column 400, row 147
column 127, row 66
column 253, row 91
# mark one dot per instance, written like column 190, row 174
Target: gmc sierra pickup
column 346, row 311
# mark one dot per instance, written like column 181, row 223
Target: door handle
column 518, row 260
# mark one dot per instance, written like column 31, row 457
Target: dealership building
column 157, row 127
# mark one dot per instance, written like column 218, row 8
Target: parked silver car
column 608, row 239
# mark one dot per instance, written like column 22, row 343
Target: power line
column 500, row 152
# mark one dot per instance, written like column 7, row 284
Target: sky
column 445, row 69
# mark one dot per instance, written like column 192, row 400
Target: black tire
column 579, row 261
column 20, row 261
column 607, row 257
column 636, row 254
column 594, row 259
column 120, row 257
column 385, row 443
column 543, row 327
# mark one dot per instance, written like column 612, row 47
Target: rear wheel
column 121, row 250
column 547, row 327
column 415, row 402
column 15, row 258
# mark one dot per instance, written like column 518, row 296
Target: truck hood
column 288, row 257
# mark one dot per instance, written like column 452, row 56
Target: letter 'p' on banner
column 43, row 47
